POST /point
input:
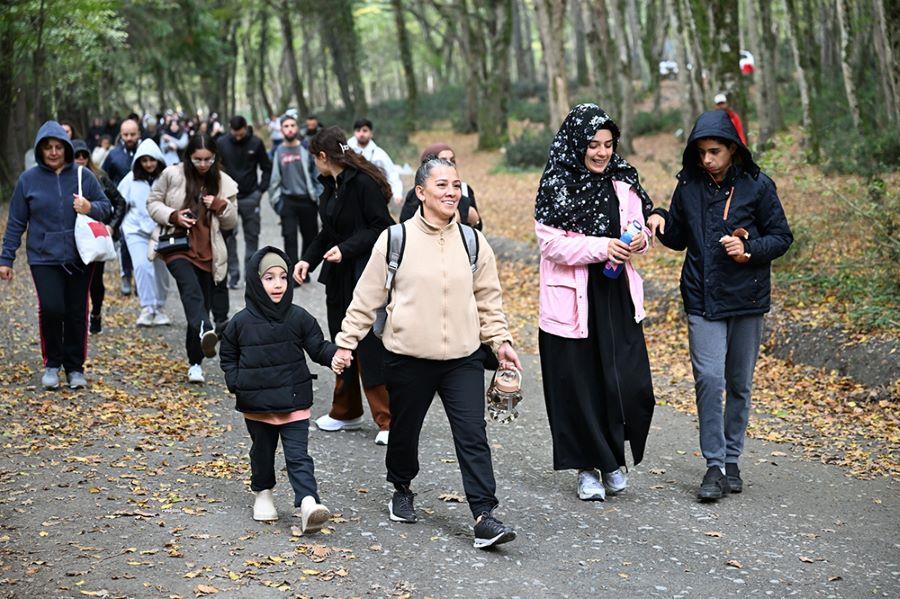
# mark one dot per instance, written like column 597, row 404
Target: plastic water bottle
column 613, row 271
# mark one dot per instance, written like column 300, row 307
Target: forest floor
column 138, row 486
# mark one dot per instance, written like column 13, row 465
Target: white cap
column 720, row 99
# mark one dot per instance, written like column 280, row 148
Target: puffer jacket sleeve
column 314, row 343
column 230, row 355
column 775, row 235
column 675, row 237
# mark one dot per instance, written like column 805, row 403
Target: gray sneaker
column 615, row 481
column 76, row 380
column 50, row 378
column 589, row 486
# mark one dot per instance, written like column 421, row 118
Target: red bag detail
column 98, row 229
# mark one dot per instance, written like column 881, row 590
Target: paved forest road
column 137, row 488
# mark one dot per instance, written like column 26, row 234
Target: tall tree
column 886, row 68
column 810, row 135
column 846, row 71
column 581, row 63
column 285, row 14
column 551, row 20
column 406, row 58
column 343, row 42
column 725, row 60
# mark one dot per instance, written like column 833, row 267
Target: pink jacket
column 564, row 273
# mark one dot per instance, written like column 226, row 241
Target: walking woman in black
column 596, row 372
column 353, row 209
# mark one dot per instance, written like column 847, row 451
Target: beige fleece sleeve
column 156, row 201
column 489, row 298
column 369, row 295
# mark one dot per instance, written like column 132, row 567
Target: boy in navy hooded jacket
column 726, row 213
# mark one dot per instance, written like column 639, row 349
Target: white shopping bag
column 92, row 238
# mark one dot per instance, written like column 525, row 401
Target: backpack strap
column 465, row 189
column 396, row 243
column 470, row 241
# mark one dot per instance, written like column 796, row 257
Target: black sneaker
column 401, row 506
column 208, row 342
column 733, row 474
column 714, row 485
column 96, row 324
column 489, row 532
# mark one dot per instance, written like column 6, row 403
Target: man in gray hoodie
column 294, row 189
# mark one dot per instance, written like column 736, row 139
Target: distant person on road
column 726, row 213
column 353, row 209
column 194, row 201
column 101, row 150
column 173, row 140
column 45, row 204
column 721, row 101
column 311, row 127
column 468, row 209
column 113, row 222
column 118, row 164
column 245, row 159
column 295, row 189
column 274, row 125
column 362, row 143
column 440, row 312
column 596, row 371
column 263, row 359
column 151, row 276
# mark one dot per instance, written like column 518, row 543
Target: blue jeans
column 723, row 357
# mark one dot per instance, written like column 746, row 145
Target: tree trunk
column 287, row 31
column 810, row 137
column 769, row 69
column 581, row 65
column 522, row 43
column 695, row 55
column 306, row 60
column 263, row 57
column 726, row 60
column 653, row 42
column 849, row 85
column 468, row 43
column 688, row 112
column 763, row 115
column 551, row 20
column 495, row 82
column 886, row 66
column 639, row 68
column 406, row 58
column 337, row 19
column 625, row 107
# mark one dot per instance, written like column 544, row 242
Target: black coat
column 240, row 160
column 712, row 284
column 262, row 348
column 354, row 212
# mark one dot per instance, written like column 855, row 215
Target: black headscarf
column 255, row 296
column 571, row 197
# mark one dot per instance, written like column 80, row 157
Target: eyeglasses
column 199, row 161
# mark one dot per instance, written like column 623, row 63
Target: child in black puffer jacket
column 262, row 357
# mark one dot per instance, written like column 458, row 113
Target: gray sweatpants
column 723, row 356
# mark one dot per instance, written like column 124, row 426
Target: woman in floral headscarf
column 596, row 372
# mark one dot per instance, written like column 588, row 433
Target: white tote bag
column 92, row 238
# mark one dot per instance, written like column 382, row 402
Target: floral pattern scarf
column 571, row 197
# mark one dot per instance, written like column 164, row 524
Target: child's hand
column 341, row 360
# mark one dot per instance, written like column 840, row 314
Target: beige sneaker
column 313, row 515
column 264, row 507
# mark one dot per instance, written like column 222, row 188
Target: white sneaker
column 160, row 319
column 615, row 482
column 195, row 374
column 327, row 423
column 313, row 515
column 589, row 486
column 264, row 507
column 382, row 437
column 146, row 317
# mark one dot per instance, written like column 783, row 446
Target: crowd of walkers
column 414, row 308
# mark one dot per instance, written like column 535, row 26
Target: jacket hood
column 255, row 296
column 78, row 145
column 715, row 123
column 147, row 147
column 53, row 130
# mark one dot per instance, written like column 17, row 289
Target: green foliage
column 530, row 149
column 532, row 109
column 646, row 123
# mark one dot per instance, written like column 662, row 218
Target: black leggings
column 98, row 291
column 62, row 313
column 195, row 286
column 298, row 212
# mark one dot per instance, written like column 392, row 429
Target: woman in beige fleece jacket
column 439, row 314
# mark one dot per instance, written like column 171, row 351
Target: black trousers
column 298, row 213
column 220, row 302
column 248, row 209
column 295, row 442
column 63, row 313
column 98, row 290
column 411, row 384
column 195, row 286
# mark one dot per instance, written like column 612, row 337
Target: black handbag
column 172, row 240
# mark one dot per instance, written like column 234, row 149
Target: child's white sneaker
column 382, row 437
column 195, row 374
column 313, row 515
column 264, row 507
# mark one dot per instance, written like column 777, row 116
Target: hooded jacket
column 240, row 159
column 262, row 348
column 712, row 284
column 117, row 213
column 135, row 192
column 42, row 204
